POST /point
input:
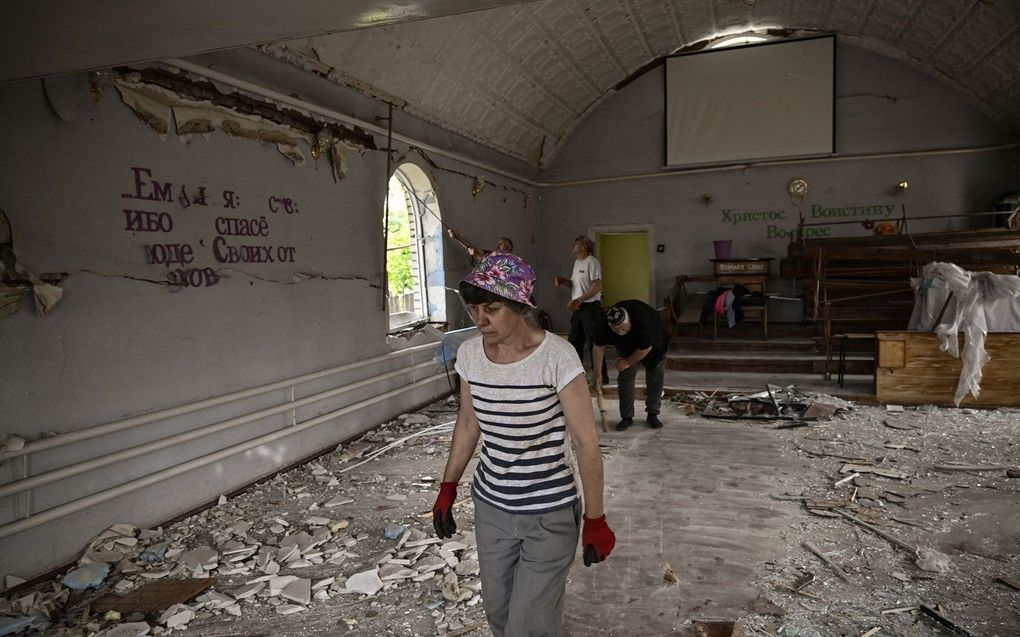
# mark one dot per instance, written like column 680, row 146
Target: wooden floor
column 693, row 494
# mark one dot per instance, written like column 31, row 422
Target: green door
column 624, row 259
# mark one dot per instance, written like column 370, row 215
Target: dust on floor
column 882, row 517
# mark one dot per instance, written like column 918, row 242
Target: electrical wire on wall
column 386, row 205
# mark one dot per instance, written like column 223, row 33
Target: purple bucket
column 722, row 249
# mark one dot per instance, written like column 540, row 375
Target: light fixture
column 477, row 187
column 98, row 80
column 323, row 140
column 903, row 185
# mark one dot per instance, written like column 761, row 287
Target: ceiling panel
column 45, row 37
column 517, row 76
column 539, row 68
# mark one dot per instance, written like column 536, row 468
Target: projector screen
column 761, row 101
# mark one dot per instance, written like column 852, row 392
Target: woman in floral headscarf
column 523, row 390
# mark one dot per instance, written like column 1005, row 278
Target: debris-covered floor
column 871, row 522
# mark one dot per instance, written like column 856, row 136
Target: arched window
column 414, row 272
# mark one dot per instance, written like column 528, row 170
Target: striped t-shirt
column 523, row 465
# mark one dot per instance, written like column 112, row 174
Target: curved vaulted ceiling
column 520, row 78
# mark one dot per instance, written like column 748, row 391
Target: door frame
column 649, row 230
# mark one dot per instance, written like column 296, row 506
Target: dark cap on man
column 616, row 316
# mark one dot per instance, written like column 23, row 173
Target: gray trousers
column 524, row 560
column 655, row 378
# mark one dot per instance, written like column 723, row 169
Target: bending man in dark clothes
column 640, row 337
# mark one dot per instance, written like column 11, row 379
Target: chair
column 844, row 340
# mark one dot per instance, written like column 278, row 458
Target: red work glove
column 442, row 511
column 597, row 539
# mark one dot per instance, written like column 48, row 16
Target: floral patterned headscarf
column 504, row 275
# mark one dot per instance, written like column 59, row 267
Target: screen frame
column 730, row 162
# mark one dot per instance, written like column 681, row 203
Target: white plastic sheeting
column 981, row 302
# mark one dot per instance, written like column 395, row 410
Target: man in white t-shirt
column 585, row 297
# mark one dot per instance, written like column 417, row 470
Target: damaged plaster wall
column 502, row 207
column 147, row 323
column 882, row 106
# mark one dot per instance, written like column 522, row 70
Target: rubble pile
column 903, row 528
column 787, row 403
column 317, row 537
column 901, row 521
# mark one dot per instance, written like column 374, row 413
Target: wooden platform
column 912, row 370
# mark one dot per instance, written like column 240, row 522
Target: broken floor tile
column 395, row 572
column 280, row 582
column 299, row 591
column 338, row 500
column 129, row 629
column 272, row 568
column 178, row 619
column 249, row 590
column 104, row 556
column 200, row 558
column 323, row 583
column 366, row 582
column 289, row 609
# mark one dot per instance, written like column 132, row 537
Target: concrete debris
column 129, row 629
column 932, row 561
column 299, row 591
column 249, row 590
column 199, row 560
column 87, row 576
column 313, row 538
column 305, row 539
column 177, row 617
column 338, row 500
column 784, row 403
column 926, row 477
column 366, row 582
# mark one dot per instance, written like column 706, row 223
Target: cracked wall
column 223, row 231
column 168, row 297
column 188, row 271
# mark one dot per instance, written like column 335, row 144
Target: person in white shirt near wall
column 585, row 297
column 524, row 395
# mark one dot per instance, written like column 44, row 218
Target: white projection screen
column 761, row 101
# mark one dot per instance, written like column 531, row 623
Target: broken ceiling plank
column 877, row 531
column 937, row 616
column 835, row 567
column 155, row 596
